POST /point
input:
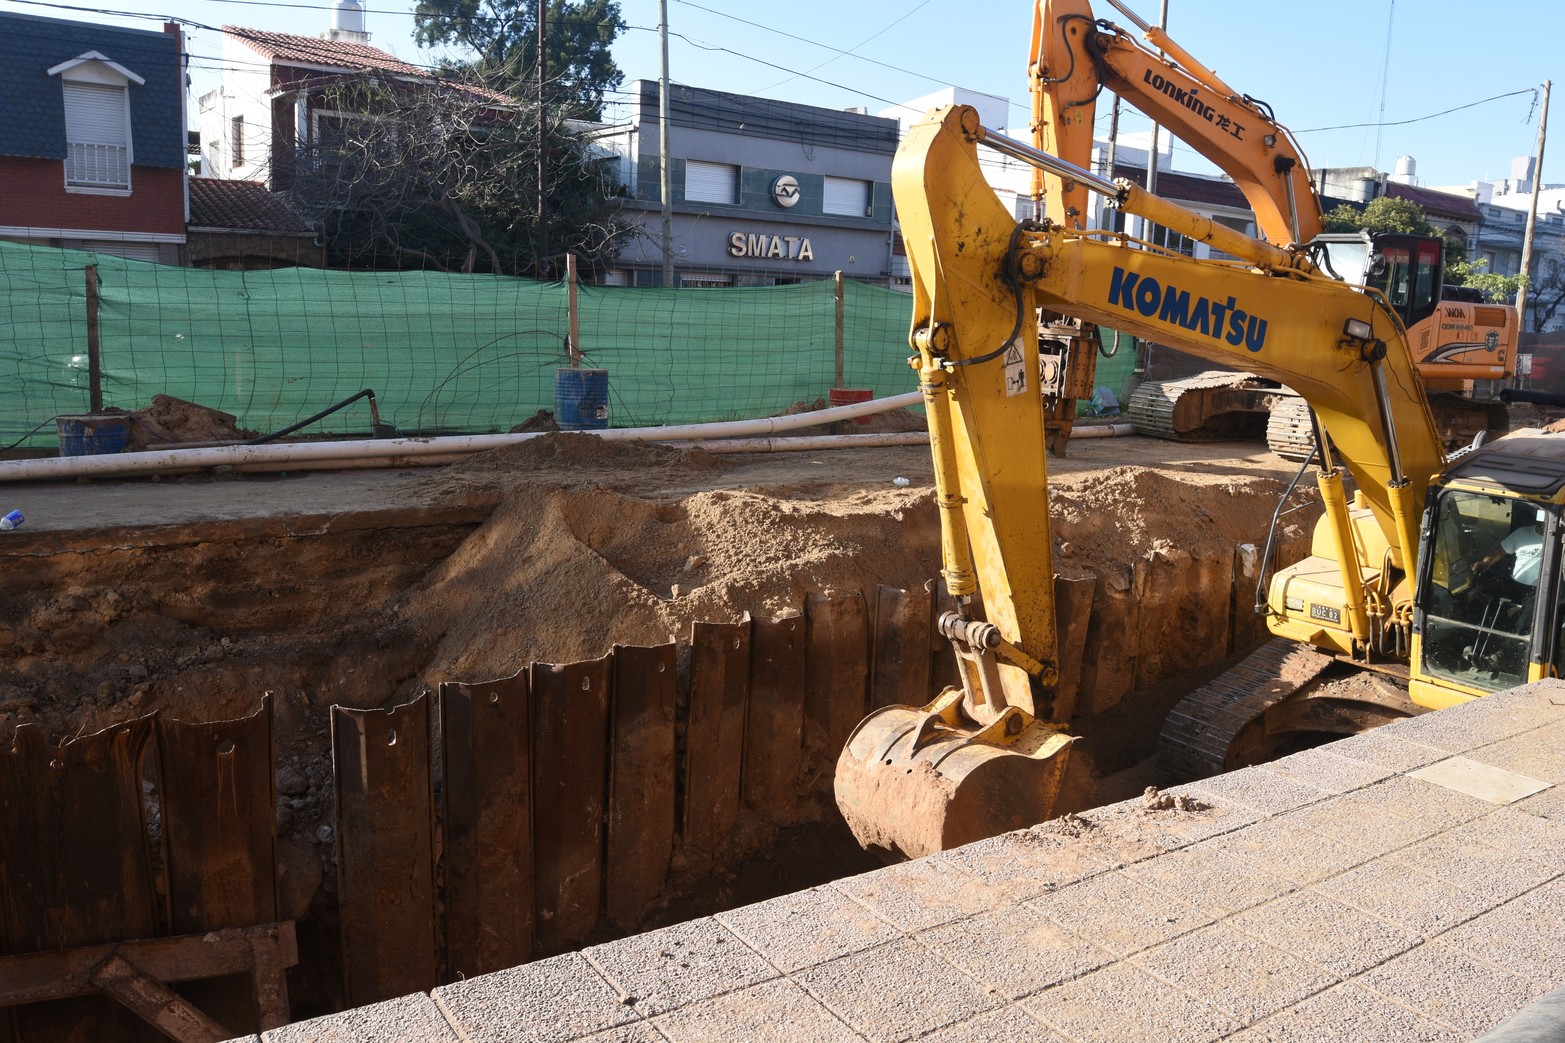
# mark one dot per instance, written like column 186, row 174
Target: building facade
column 92, row 146
column 763, row 192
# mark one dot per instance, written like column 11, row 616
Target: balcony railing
column 97, row 166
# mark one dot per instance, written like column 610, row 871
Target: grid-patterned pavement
column 1405, row 884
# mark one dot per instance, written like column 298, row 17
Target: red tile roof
column 1439, row 204
column 341, row 56
column 243, row 206
column 312, row 50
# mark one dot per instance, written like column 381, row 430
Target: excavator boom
column 1075, row 56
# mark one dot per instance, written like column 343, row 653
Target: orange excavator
column 1392, row 584
column 1456, row 340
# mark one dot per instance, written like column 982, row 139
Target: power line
column 1420, row 119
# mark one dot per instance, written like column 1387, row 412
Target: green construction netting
column 443, row 353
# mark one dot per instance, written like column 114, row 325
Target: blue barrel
column 581, row 399
column 93, row 434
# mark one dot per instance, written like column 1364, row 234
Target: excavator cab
column 1490, row 589
column 1408, row 270
column 1481, row 589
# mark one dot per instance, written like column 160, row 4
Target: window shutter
column 95, row 114
column 711, row 182
column 848, row 197
column 97, row 135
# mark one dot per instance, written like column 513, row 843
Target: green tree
column 1403, row 216
column 1385, row 214
column 1499, row 288
column 502, row 37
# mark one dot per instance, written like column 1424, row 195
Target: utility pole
column 543, row 141
column 1532, row 212
column 666, row 178
column 1162, row 23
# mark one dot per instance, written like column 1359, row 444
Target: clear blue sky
column 1325, row 64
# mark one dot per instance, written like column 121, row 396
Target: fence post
column 94, row 360
column 574, row 347
column 838, row 280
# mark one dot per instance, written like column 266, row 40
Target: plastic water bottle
column 900, row 482
column 11, row 521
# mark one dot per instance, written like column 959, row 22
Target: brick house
column 92, row 147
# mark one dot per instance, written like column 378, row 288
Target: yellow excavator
column 1442, row 576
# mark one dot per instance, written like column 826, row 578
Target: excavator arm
column 993, row 754
column 1074, row 57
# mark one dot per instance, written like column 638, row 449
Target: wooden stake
column 94, row 359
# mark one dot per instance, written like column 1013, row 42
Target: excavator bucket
column 914, row 781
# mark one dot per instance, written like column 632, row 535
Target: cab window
column 1481, row 590
column 1426, row 283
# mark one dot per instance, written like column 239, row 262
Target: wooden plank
column 641, row 780
column 155, row 1003
column 570, row 783
column 900, row 674
column 218, row 805
column 774, row 722
column 486, row 730
column 836, row 663
column 385, row 861
column 714, row 736
column 39, row 976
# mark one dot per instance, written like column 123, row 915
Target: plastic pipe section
column 407, row 451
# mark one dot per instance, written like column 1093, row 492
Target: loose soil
column 582, row 544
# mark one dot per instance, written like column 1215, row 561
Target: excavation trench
column 556, row 552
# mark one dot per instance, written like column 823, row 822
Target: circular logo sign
column 785, row 191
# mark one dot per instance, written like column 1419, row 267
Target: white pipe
column 811, row 443
column 797, row 443
column 290, row 456
column 1103, row 431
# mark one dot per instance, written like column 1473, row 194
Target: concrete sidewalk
column 1401, row 885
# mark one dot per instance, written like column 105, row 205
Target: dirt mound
column 574, row 459
column 564, row 573
column 567, row 574
column 1123, row 513
column 173, row 420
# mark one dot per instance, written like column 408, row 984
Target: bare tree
column 443, row 174
column 1546, row 293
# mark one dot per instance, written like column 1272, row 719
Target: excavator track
column 1458, row 418
column 1289, row 432
column 1214, row 405
column 1200, row 731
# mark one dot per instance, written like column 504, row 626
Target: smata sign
column 776, row 247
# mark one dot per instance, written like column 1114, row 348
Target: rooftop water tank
column 348, row 16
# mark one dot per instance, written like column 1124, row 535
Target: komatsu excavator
column 1443, row 578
